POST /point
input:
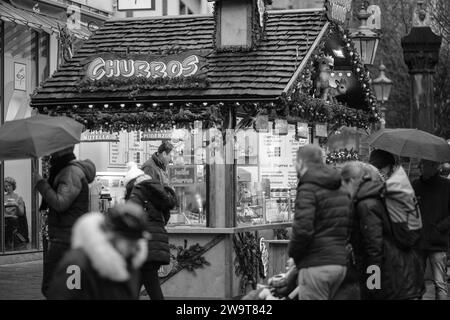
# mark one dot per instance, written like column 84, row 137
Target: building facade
column 31, row 48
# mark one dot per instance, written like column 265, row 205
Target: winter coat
column 68, row 198
column 434, row 200
column 155, row 168
column 157, row 200
column 320, row 229
column 104, row 274
column 402, row 274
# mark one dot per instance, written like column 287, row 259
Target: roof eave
column 306, row 58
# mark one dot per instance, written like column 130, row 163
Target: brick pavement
column 22, row 281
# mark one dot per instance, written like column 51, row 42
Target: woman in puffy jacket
column 157, row 201
column 400, row 270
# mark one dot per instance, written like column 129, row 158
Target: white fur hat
column 133, row 172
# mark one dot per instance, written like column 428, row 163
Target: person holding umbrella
column 433, row 192
column 66, row 195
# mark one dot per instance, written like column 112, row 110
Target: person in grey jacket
column 156, row 166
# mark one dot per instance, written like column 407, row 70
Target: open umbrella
column 411, row 143
column 37, row 136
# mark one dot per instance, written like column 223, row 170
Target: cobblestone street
column 22, row 281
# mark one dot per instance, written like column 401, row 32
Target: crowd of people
column 362, row 232
column 366, row 232
column 111, row 255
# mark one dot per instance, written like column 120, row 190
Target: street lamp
column 382, row 86
column 365, row 40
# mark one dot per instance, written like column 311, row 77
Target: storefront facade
column 236, row 104
column 30, row 52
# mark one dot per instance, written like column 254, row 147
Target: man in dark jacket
column 66, row 194
column 157, row 200
column 107, row 251
column 321, row 227
column 400, row 270
column 433, row 193
column 156, row 166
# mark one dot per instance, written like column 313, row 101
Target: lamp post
column 382, row 86
column 365, row 40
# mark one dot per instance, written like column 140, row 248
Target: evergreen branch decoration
column 190, row 258
column 248, row 263
column 342, row 155
column 135, row 87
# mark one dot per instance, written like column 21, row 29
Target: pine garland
column 248, row 263
column 342, row 155
column 137, row 86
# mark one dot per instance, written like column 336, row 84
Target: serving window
column 266, row 175
column 186, row 169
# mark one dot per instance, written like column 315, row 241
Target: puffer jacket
column 157, row 200
column 402, row 274
column 320, row 229
column 434, row 200
column 104, row 273
column 68, row 198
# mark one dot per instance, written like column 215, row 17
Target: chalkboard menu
column 182, row 175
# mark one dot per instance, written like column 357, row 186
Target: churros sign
column 173, row 66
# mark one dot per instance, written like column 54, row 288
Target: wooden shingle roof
column 259, row 74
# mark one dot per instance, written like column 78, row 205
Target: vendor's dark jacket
column 401, row 271
column 320, row 230
column 67, row 198
column 155, row 168
column 157, row 200
column 434, row 200
column 103, row 273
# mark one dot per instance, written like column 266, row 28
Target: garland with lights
column 305, row 82
column 342, row 155
column 141, row 118
column 136, row 86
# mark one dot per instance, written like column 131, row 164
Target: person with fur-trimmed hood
column 107, row 252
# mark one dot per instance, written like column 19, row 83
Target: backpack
column 403, row 209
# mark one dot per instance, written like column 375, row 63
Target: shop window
column 186, row 169
column 21, row 50
column 266, row 176
column 18, row 215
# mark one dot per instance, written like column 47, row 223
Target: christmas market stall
column 237, row 93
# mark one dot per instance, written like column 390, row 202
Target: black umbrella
column 411, row 143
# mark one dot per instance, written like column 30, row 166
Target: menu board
column 182, row 175
column 276, row 157
column 131, row 147
column 118, row 151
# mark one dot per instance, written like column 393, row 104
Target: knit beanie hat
column 132, row 173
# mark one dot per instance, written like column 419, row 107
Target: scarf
column 160, row 163
column 56, row 165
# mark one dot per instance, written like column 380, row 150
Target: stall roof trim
column 262, row 73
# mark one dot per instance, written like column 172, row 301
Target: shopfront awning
column 39, row 22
